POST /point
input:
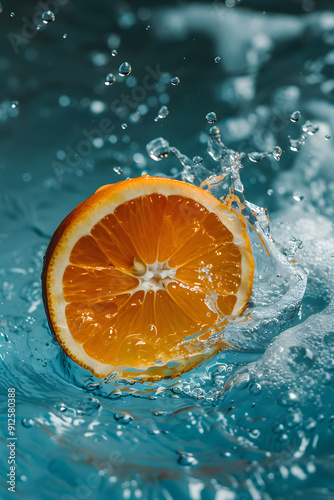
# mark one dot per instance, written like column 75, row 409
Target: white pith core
column 152, row 277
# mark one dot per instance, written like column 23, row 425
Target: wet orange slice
column 141, row 274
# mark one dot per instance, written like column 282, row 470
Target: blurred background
column 69, row 123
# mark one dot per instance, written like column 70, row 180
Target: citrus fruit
column 139, row 276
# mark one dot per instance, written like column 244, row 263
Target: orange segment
column 142, row 273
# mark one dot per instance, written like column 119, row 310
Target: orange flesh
column 119, row 325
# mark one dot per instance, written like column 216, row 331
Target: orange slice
column 138, row 277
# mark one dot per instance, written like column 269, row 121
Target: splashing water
column 256, row 421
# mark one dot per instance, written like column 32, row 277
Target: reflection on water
column 235, row 88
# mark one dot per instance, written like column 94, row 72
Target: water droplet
column 255, row 156
column 158, row 149
column 300, row 359
column 114, row 53
column 327, row 137
column 197, row 160
column 309, row 128
column 295, row 116
column 118, row 170
column 12, row 14
column 255, row 389
column 124, row 126
column 124, row 69
column 296, row 144
column 65, row 35
column 288, row 398
column 175, row 80
column 329, row 339
column 187, row 460
column 270, row 192
column 110, row 79
column 277, row 152
column 217, row 59
column 211, row 117
column 163, row 112
column 297, row 196
column 15, row 104
column 147, row 27
column 48, row 16
column 27, row 422
column 123, row 418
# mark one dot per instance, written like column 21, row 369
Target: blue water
column 254, row 423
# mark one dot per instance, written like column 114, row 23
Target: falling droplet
column 12, row 14
column 270, row 192
column 175, row 80
column 124, row 126
column 110, row 79
column 65, row 35
column 114, row 52
column 309, row 128
column 163, row 112
column 277, row 152
column 211, row 117
column 327, row 137
column 124, row 69
column 295, row 116
column 197, row 160
column 48, row 17
column 297, row 196
column 255, row 156
column 217, row 59
column 118, row 170
column 15, row 104
column 296, row 144
column 158, row 149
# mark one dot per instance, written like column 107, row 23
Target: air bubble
column 300, row 359
column 48, row 17
column 187, row 460
column 175, row 81
column 295, row 116
column 255, row 389
column 329, row 339
column 27, row 422
column 124, row 69
column 110, row 79
column 123, row 418
column 288, row 398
